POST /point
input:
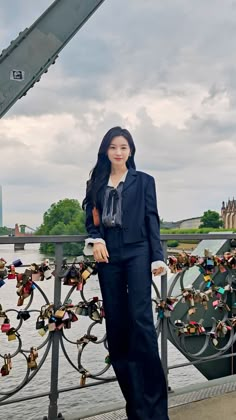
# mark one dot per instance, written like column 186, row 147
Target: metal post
column 164, row 353
column 53, row 408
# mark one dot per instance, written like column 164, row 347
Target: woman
column 123, row 227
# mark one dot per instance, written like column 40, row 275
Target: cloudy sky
column 166, row 70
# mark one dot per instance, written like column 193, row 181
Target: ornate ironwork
column 167, row 307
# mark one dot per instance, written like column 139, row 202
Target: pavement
column 212, row 400
column 222, row 407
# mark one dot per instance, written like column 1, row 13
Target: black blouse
column 112, row 208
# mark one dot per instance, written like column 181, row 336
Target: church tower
column 228, row 214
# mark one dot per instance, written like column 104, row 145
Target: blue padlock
column 2, row 282
column 17, row 263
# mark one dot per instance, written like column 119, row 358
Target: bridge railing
column 55, row 318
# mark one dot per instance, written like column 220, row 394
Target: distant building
column 0, row 206
column 228, row 214
column 192, row 223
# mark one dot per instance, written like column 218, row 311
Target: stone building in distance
column 228, row 214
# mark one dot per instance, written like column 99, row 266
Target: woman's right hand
column 100, row 252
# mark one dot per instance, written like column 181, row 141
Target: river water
column 93, row 357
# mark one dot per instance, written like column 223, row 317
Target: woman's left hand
column 158, row 271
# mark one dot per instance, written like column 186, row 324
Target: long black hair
column 99, row 175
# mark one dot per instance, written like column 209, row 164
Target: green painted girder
column 36, row 48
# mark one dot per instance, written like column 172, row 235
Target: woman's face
column 118, row 151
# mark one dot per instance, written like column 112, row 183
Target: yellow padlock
column 42, row 332
column 11, row 337
column 86, row 273
column 11, row 334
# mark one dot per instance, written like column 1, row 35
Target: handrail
column 81, row 238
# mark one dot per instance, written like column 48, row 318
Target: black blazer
column 140, row 219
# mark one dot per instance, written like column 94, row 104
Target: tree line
column 66, row 217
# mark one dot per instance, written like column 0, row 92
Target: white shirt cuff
column 88, row 249
column 158, row 264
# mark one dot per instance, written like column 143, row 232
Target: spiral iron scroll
column 207, row 296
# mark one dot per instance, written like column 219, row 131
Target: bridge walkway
column 213, row 400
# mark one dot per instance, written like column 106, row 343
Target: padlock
column 9, row 361
column 12, row 273
column 102, row 312
column 192, row 310
column 86, row 273
column 5, row 368
column 60, row 313
column 79, row 309
column 5, row 327
column 107, row 359
column 48, row 274
column 47, row 310
column 11, row 334
column 40, row 323
column 2, row 263
column 67, row 324
column 192, row 330
column 2, row 282
column 42, row 331
column 34, row 352
column 19, row 277
column 215, row 303
column 74, row 318
column 79, row 285
column 84, row 311
column 83, row 380
column 52, row 326
column 36, row 276
column 20, row 301
column 17, row 263
column 31, row 363
column 65, row 316
column 23, row 315
column 215, row 341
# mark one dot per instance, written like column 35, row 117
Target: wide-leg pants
column 126, row 290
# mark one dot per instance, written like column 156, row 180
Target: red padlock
column 5, row 327
column 79, row 285
column 12, row 273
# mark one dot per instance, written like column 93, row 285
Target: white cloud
column 165, row 70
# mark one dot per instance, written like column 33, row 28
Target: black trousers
column 126, row 290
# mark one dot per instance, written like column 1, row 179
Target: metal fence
column 55, row 318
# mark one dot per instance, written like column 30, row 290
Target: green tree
column 211, row 219
column 63, row 218
column 5, row 230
